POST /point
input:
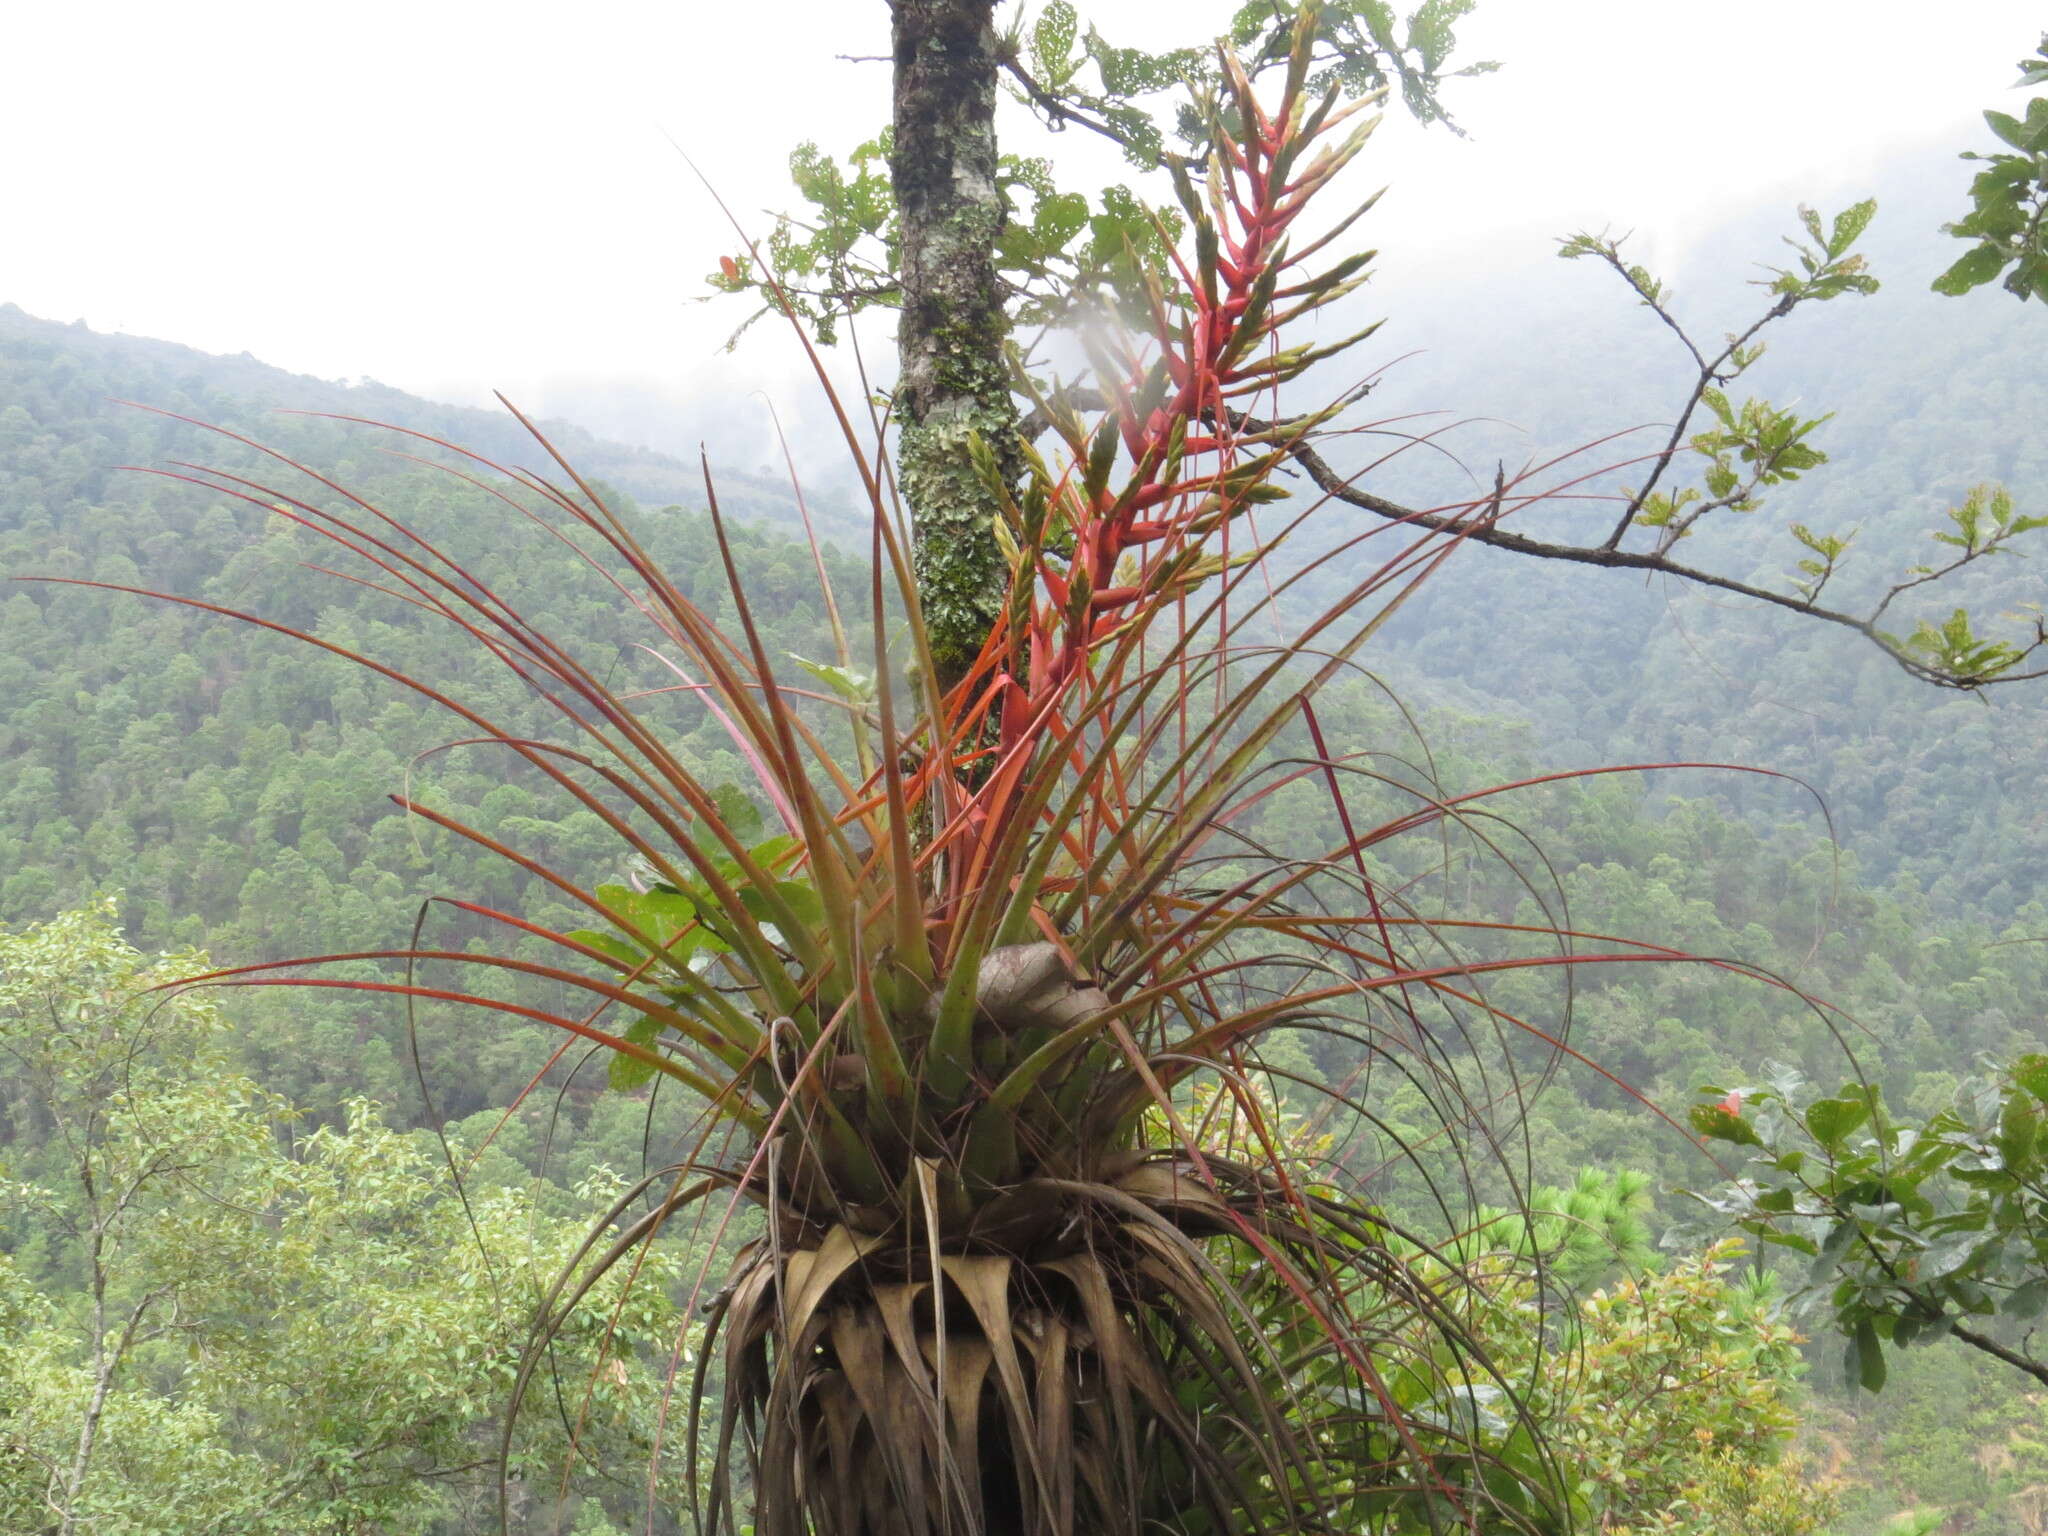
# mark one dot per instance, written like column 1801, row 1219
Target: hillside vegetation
column 229, row 786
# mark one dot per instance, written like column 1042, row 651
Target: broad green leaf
column 1052, row 42
column 1720, row 1124
column 1866, row 1356
column 626, row 1073
column 850, row 683
column 1946, row 1257
column 2019, row 1130
column 2010, row 129
column 610, row 944
column 1830, row 1120
column 2031, row 1073
column 2028, row 1301
column 1972, row 269
column 740, row 815
column 1850, row 224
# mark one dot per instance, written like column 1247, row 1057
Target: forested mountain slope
column 1930, row 396
column 85, row 381
column 232, row 785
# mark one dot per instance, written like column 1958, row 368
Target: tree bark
column 955, row 380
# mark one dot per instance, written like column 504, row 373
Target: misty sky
column 450, row 196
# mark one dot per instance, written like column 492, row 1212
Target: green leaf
column 1850, row 224
column 1058, row 219
column 629, row 1072
column 1866, row 1356
column 1971, row 270
column 622, row 952
column 661, row 914
column 850, row 683
column 1839, row 1237
column 2031, row 1073
column 2019, row 1129
column 2029, row 1300
column 1052, row 43
column 1945, row 1258
column 1831, row 1120
column 2010, row 129
column 740, row 815
column 1720, row 1124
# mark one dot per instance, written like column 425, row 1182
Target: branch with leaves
column 1066, row 257
column 1912, row 1232
column 1361, row 48
column 1749, row 449
column 1951, row 655
column 2008, row 217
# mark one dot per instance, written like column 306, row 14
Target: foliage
column 1673, row 1406
column 1698, row 871
column 1667, row 1399
column 1911, row 928
column 1058, row 252
column 1914, row 1230
column 1955, row 1439
column 993, row 934
column 1586, row 1234
column 1756, row 446
column 207, row 1332
column 2008, row 218
column 1068, row 256
column 826, row 268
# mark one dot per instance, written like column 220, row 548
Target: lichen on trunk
column 955, row 380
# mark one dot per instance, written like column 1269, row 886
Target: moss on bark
column 955, row 379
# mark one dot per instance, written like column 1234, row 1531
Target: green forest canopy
column 230, row 787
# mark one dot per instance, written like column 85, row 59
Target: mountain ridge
column 651, row 477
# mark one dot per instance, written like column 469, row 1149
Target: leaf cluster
column 1069, row 257
column 1754, row 447
column 1913, row 1230
column 2009, row 201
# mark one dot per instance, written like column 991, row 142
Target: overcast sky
column 450, row 196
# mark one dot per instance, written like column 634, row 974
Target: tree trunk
column 954, row 380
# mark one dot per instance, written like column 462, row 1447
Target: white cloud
column 453, row 196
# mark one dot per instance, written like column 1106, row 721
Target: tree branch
column 1060, row 112
column 1998, row 1351
column 1487, row 531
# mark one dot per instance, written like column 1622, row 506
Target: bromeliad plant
column 943, row 1027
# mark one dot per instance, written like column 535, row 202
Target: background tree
column 957, row 256
column 205, row 1331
